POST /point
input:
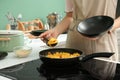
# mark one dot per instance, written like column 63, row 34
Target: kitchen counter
column 37, row 45
column 32, row 62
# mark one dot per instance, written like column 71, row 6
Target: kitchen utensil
column 10, row 38
column 37, row 32
column 69, row 61
column 47, row 41
column 3, row 55
column 22, row 51
column 95, row 26
column 52, row 42
column 12, row 21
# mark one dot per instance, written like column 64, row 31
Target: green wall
column 30, row 9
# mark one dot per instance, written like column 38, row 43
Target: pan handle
column 95, row 55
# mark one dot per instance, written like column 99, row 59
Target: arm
column 67, row 19
column 64, row 24
column 60, row 28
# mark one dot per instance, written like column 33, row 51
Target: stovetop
column 36, row 70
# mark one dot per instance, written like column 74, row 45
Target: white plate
column 10, row 32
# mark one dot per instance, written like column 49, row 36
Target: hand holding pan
column 95, row 26
column 69, row 61
column 51, row 42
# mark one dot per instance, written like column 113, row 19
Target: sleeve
column 69, row 6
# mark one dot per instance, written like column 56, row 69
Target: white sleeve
column 69, row 6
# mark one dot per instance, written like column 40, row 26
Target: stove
column 36, row 70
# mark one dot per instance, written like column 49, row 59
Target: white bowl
column 22, row 51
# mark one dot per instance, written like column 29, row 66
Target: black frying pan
column 37, row 32
column 95, row 26
column 69, row 61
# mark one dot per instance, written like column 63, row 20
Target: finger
column 48, row 36
column 43, row 35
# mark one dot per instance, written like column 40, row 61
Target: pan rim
column 96, row 33
column 55, row 49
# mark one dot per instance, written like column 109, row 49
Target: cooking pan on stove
column 69, row 61
column 95, row 26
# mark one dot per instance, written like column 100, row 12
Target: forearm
column 64, row 24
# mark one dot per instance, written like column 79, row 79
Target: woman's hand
column 91, row 38
column 52, row 33
column 116, row 25
column 59, row 28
